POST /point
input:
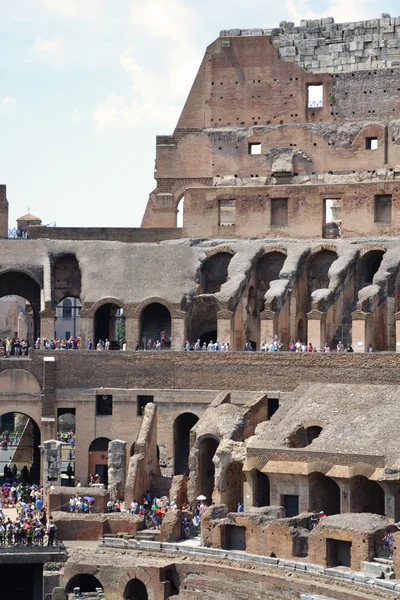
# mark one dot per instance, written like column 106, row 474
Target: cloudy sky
column 86, row 85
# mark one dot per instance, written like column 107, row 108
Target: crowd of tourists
column 7, row 440
column 15, row 347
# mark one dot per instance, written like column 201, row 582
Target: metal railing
column 315, row 104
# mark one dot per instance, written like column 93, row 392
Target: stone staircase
column 147, row 535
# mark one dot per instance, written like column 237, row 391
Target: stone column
column 361, row 330
column 132, row 326
column 268, row 326
column 224, row 327
column 86, row 328
column 117, row 468
column 47, row 323
column 316, row 326
column 392, row 499
column 248, row 491
column 397, row 332
column 51, row 463
column 178, row 329
column 344, row 485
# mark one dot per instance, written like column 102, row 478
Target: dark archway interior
column 87, row 583
column 14, row 283
column 324, row 494
column 234, row 480
column 107, row 322
column 301, row 330
column 268, row 268
column 99, row 445
column 135, row 590
column 366, row 496
column 368, row 266
column 318, row 268
column 261, row 488
column 304, row 436
column 207, row 450
column 156, row 319
column 182, row 426
column 67, row 278
column 215, row 272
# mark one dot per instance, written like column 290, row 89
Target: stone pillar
column 268, row 326
column 86, row 328
column 248, row 491
column 52, row 463
column 316, row 327
column 116, row 468
column 392, row 499
column 361, row 330
column 390, row 323
column 224, row 327
column 178, row 329
column 397, row 332
column 132, row 333
column 47, row 323
column 3, row 212
column 345, row 494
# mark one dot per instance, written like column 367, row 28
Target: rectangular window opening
column 103, row 405
column 279, row 212
column 254, row 148
column 383, row 208
column 371, row 143
column 141, row 403
column 332, row 218
column 227, row 213
column 315, row 95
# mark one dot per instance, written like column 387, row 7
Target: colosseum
column 253, row 351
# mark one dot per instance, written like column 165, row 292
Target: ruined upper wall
column 323, row 46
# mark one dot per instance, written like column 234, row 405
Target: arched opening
column 67, row 278
column 179, row 212
column 135, row 590
column 304, row 436
column 68, row 322
column 109, row 324
column 324, row 494
column 368, row 266
column 261, row 488
column 268, row 268
column 215, row 272
column 203, row 320
column 318, row 268
column 366, row 496
column 98, row 459
column 20, row 448
column 173, row 577
column 233, row 486
column 85, row 582
column 182, row 426
column 17, row 323
column 206, row 469
column 155, row 326
column 26, row 320
column 251, row 301
column 301, row 330
column 66, row 422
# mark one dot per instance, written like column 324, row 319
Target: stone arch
column 374, row 130
column 318, row 267
column 27, row 454
column 107, row 315
column 19, row 381
column 203, row 319
column 261, row 488
column 268, row 268
column 67, row 278
column 98, row 458
column 368, row 265
column 324, row 494
column 232, row 492
column 301, row 327
column 366, row 496
column 141, row 576
column 214, row 271
column 207, row 447
column 182, row 426
column 155, row 324
column 304, row 436
column 87, row 583
column 135, row 589
column 16, row 282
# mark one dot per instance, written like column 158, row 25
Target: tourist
column 240, row 508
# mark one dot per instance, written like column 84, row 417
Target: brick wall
column 120, row 234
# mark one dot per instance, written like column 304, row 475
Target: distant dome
column 29, row 217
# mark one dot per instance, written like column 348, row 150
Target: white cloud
column 76, row 116
column 76, row 9
column 50, row 51
column 9, row 102
column 155, row 97
column 343, row 11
